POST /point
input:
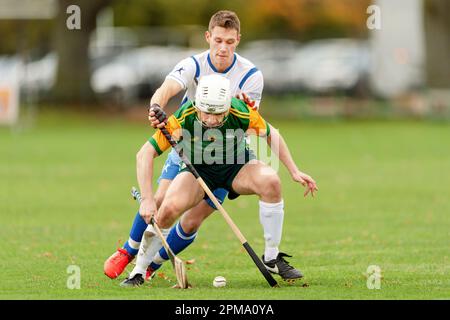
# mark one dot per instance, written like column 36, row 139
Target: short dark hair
column 225, row 19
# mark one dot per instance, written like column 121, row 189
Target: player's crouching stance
column 210, row 138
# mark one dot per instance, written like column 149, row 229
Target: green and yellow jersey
column 212, row 145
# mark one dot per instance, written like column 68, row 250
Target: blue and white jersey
column 244, row 76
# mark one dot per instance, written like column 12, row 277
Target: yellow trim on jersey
column 185, row 113
column 181, row 120
column 240, row 112
column 243, row 115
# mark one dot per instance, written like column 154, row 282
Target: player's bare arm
column 161, row 97
column 144, row 170
column 279, row 146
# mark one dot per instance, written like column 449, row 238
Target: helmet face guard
column 205, row 125
column 211, row 108
column 213, row 94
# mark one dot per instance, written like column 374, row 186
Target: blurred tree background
column 300, row 20
column 290, row 19
column 72, row 84
column 437, row 26
column 294, row 19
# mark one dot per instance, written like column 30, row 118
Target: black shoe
column 136, row 281
column 282, row 268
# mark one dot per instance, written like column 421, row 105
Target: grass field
column 383, row 200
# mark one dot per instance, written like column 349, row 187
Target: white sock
column 271, row 217
column 150, row 245
column 157, row 259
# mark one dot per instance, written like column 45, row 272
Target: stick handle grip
column 136, row 195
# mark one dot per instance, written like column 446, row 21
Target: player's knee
column 167, row 214
column 193, row 218
column 190, row 225
column 165, row 221
column 271, row 187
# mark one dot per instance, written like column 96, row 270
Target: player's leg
column 150, row 242
column 183, row 194
column 117, row 262
column 183, row 233
column 193, row 218
column 258, row 178
column 176, row 201
column 138, row 227
column 180, row 236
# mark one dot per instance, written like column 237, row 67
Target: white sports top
column 243, row 75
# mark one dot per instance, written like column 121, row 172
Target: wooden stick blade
column 180, row 272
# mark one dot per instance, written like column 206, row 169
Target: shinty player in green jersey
column 213, row 137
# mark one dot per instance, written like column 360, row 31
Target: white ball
column 219, row 281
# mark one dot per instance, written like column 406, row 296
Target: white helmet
column 213, row 94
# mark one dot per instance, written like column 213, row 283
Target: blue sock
column 155, row 266
column 178, row 240
column 137, row 230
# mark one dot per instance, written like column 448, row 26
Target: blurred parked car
column 271, row 57
column 135, row 74
column 331, row 65
column 40, row 75
column 7, row 63
column 127, row 77
column 322, row 66
column 34, row 77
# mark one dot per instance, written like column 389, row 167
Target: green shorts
column 221, row 175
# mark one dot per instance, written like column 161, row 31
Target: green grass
column 383, row 200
